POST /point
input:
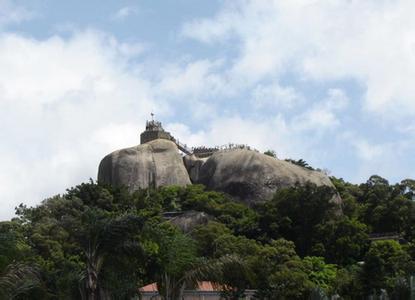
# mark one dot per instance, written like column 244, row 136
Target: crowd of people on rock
column 227, row 147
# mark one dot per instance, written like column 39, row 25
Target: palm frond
column 18, row 279
column 213, row 270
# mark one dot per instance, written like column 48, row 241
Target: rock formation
column 155, row 163
column 248, row 175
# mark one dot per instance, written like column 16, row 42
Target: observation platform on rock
column 154, row 130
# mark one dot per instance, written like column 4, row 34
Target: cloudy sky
column 331, row 82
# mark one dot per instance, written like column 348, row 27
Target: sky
column 330, row 82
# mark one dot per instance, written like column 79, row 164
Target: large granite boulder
column 246, row 175
column 250, row 176
column 156, row 163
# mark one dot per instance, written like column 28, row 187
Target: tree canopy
column 100, row 242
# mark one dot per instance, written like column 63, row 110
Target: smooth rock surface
column 251, row 176
column 156, row 163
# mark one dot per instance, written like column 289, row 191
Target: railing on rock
column 182, row 147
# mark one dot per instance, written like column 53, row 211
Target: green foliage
column 295, row 213
column 301, row 162
column 13, row 246
column 321, row 274
column 75, row 235
column 271, row 153
column 206, row 237
column 238, row 217
column 19, row 280
column 98, row 241
column 343, row 240
column 279, row 273
column 385, row 208
column 386, row 264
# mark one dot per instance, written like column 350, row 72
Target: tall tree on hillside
column 294, row 213
column 385, row 208
column 99, row 236
column 77, row 234
column 180, row 268
column 385, row 265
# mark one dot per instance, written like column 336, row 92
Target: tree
column 179, row 267
column 294, row 213
column 118, row 241
column 75, row 235
column 241, row 219
column 13, row 246
column 278, row 272
column 271, row 153
column 385, row 208
column 177, row 257
column 408, row 188
column 98, row 235
column 321, row 274
column 301, row 162
column 18, row 274
column 206, row 236
column 18, row 280
column 349, row 194
column 344, row 241
column 386, row 263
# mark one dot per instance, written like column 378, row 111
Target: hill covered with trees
column 101, row 242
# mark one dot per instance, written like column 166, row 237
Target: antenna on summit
column 152, row 117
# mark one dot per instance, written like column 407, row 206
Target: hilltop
column 238, row 170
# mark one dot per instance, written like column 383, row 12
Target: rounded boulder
column 251, row 176
column 153, row 164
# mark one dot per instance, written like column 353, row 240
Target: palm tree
column 181, row 268
column 18, row 279
column 172, row 287
column 99, row 236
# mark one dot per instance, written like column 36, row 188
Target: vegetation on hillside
column 99, row 242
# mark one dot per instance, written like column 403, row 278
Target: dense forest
column 100, row 242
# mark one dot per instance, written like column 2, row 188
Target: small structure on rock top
column 154, row 130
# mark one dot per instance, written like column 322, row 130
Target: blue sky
column 327, row 81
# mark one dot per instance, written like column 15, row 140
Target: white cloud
column 371, row 42
column 275, row 96
column 367, row 151
column 191, row 79
column 284, row 135
column 11, row 13
column 64, row 104
column 269, row 133
column 382, row 158
column 322, row 115
column 124, row 12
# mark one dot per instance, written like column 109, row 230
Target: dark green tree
column 271, row 153
column 278, row 273
column 294, row 214
column 344, row 240
column 386, row 264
